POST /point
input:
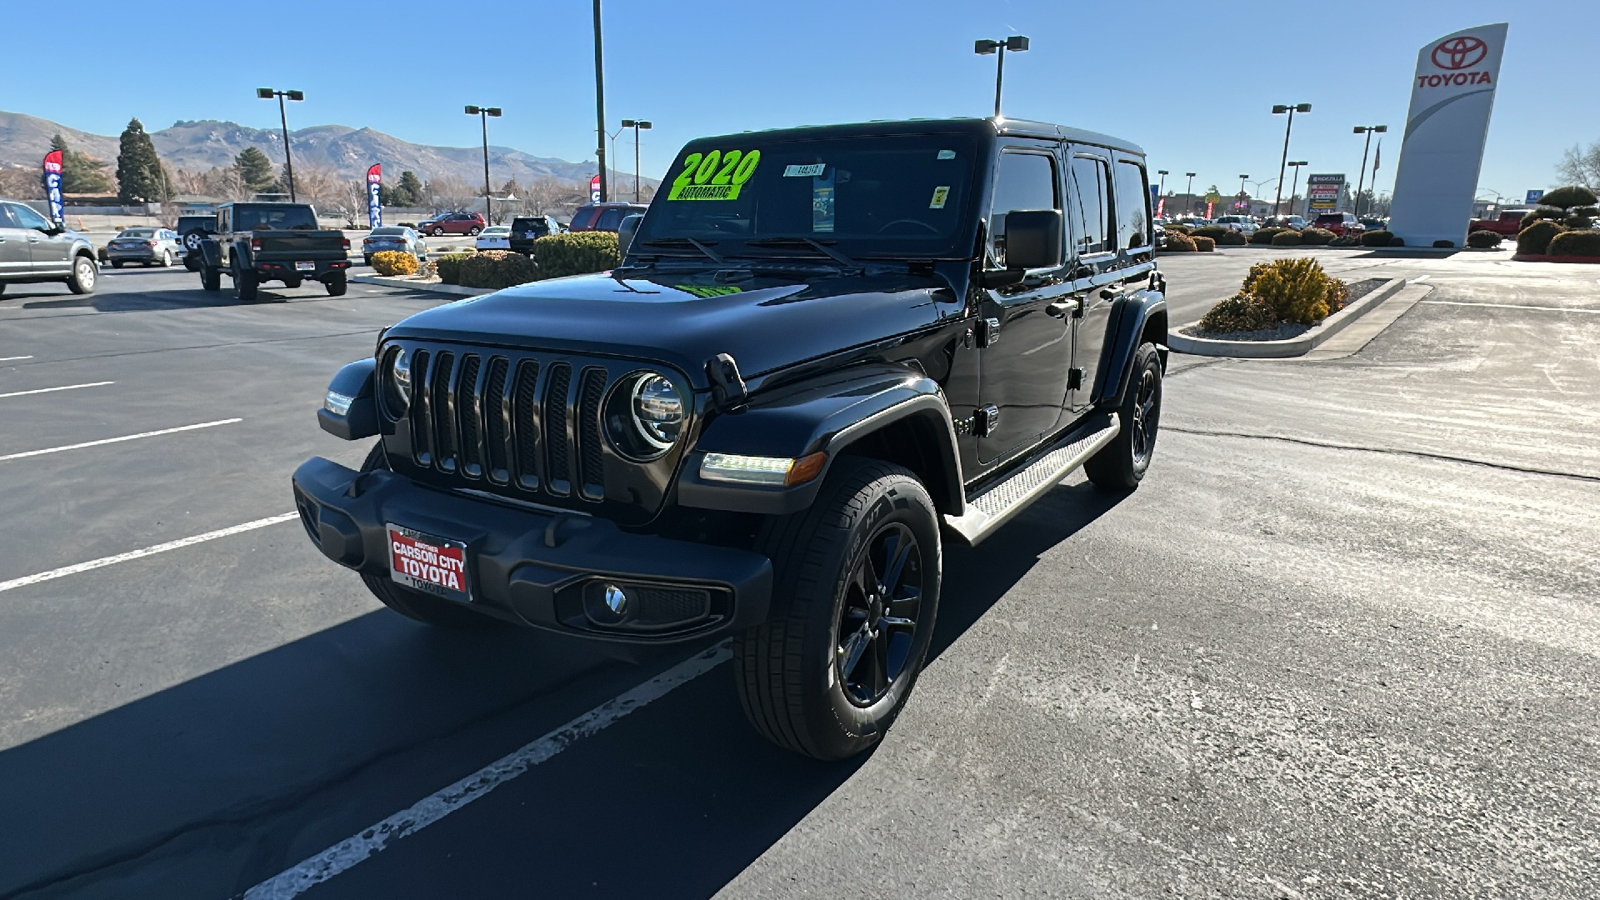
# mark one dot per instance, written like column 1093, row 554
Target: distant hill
column 200, row 145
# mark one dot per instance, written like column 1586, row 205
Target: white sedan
column 495, row 237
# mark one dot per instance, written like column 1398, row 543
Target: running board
column 996, row 505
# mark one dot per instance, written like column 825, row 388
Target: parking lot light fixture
column 1361, row 181
column 1161, row 188
column 283, row 117
column 1242, row 194
column 1278, row 110
column 484, row 113
column 1016, row 44
column 1189, row 191
column 635, row 124
column 1295, row 187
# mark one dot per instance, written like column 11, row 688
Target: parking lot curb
column 1298, row 346
column 400, row 281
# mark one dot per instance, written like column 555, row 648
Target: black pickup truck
column 827, row 352
column 256, row 242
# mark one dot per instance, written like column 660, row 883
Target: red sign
column 375, row 174
column 594, row 189
column 1209, row 205
column 52, row 162
column 417, row 562
column 1460, row 53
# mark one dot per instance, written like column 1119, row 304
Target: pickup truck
column 257, row 242
column 1508, row 223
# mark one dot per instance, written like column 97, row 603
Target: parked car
column 495, row 237
column 527, row 229
column 583, row 455
column 395, row 238
column 1340, row 223
column 603, row 216
column 1373, row 224
column 469, row 223
column 147, row 246
column 258, row 242
column 1298, row 223
column 33, row 250
column 1241, row 224
column 1192, row 222
column 1508, row 223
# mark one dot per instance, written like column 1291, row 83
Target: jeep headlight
column 645, row 415
column 397, row 383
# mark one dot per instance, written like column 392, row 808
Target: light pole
column 1279, row 110
column 1295, row 187
column 1015, row 43
column 635, row 124
column 1189, row 191
column 600, row 104
column 1242, row 194
column 1361, row 182
column 1161, row 188
column 283, row 116
column 483, row 113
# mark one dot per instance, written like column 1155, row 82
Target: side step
column 996, row 505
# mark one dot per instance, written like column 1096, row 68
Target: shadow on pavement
column 210, row 786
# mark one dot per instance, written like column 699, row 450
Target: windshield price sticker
column 940, row 195
column 717, row 175
column 810, row 171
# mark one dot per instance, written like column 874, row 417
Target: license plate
column 305, row 266
column 429, row 564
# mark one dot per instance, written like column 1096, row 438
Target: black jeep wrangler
column 827, row 351
column 257, row 242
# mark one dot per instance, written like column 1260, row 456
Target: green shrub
column 1483, row 239
column 1592, row 212
column 497, row 269
column 1535, row 239
column 1179, row 242
column 1214, row 232
column 1241, row 312
column 1568, row 197
column 1286, row 239
column 1204, row 244
column 1298, row 289
column 1264, row 236
column 1376, row 239
column 1578, row 223
column 1397, row 242
column 1317, row 237
column 1346, row 240
column 394, row 262
column 1576, row 243
column 104, row 255
column 450, row 267
column 1543, row 212
column 1443, row 244
column 579, row 253
column 1233, row 239
column 1181, row 229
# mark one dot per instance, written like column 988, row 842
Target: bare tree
column 543, row 195
column 1580, row 165
column 227, row 183
column 448, row 192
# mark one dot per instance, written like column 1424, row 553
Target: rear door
column 1093, row 264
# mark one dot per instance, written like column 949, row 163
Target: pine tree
column 139, row 175
column 409, row 191
column 80, row 174
column 255, row 170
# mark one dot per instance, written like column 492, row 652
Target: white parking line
column 65, row 387
column 11, row 358
column 118, row 440
column 1562, row 309
column 1420, row 278
column 137, row 554
column 369, row 841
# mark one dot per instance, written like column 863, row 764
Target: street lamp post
column 1361, row 182
column 1016, row 44
column 1189, row 191
column 283, row 116
column 600, row 105
column 483, row 113
column 1279, row 110
column 1242, row 194
column 1294, row 189
column 1161, row 188
column 635, row 124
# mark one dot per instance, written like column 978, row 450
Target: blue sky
column 1192, row 82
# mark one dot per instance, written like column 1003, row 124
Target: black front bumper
column 284, row 269
column 536, row 567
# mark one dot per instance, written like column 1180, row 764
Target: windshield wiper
column 684, row 242
column 820, row 247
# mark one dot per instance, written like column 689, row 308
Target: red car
column 452, row 223
column 1508, row 223
column 603, row 216
column 1340, row 223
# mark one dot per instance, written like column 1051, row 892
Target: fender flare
column 829, row 414
column 1134, row 314
column 210, row 253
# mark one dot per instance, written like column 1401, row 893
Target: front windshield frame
column 965, row 153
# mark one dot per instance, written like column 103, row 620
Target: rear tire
column 166, row 259
column 856, row 593
column 438, row 232
column 210, row 278
column 246, row 286
column 84, row 275
column 1121, row 464
column 116, row 264
column 336, row 285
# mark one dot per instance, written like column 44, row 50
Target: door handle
column 33, row 240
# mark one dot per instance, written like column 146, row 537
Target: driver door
column 49, row 254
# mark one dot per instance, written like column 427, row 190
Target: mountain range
column 200, row 145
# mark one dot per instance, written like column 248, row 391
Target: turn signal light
column 766, row 470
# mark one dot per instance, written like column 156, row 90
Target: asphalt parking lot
column 1341, row 643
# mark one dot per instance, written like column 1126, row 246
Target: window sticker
column 940, row 194
column 810, row 171
column 717, row 175
column 947, row 154
column 822, row 203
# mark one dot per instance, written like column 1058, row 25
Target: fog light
column 337, row 403
column 607, row 604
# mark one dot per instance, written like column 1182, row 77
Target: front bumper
column 536, row 567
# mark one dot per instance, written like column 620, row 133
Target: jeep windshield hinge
column 988, row 331
column 985, row 420
column 728, row 390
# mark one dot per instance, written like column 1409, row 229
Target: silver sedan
column 150, row 246
column 394, row 237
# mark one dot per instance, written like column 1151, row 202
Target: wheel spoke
column 898, row 552
column 897, row 622
column 880, row 665
column 853, row 650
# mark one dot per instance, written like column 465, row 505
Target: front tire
column 473, row 231
column 1121, row 464
column 857, row 580
column 83, row 277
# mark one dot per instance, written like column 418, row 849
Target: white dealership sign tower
column 1442, row 151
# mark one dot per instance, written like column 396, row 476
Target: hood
column 766, row 321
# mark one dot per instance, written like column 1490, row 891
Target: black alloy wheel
column 882, row 600
column 1146, row 416
column 1120, row 465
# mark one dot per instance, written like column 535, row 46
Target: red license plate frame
column 428, row 563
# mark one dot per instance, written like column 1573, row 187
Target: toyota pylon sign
column 1452, row 95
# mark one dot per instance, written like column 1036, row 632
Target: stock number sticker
column 717, row 175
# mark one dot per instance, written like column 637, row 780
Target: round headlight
column 397, row 386
column 657, row 411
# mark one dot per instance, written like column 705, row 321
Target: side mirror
column 625, row 232
column 54, row 230
column 1033, row 239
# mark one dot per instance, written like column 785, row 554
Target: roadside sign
column 594, row 189
column 1534, row 197
column 1325, row 192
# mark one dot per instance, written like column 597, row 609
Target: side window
column 1024, row 181
column 6, row 220
column 1092, row 207
column 27, row 218
column 1133, row 206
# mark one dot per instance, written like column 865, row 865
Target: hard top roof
column 985, row 127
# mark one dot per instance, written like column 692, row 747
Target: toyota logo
column 1460, row 53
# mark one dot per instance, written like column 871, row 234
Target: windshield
column 274, row 218
column 891, row 196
